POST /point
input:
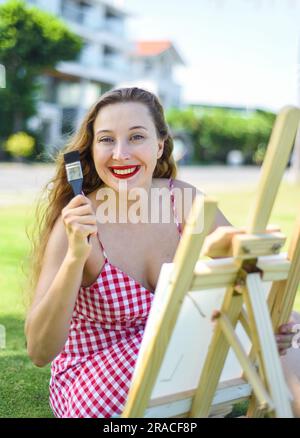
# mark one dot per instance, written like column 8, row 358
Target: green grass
column 23, row 387
column 236, row 206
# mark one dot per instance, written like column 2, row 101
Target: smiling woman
column 90, row 307
column 93, row 282
column 130, row 151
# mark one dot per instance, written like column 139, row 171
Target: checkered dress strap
column 103, row 250
column 178, row 224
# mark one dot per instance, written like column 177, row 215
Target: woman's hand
column 80, row 222
column 218, row 243
column 284, row 337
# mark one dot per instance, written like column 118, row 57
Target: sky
column 236, row 52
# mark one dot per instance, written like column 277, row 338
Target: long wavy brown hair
column 52, row 201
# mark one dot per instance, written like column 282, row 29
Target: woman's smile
column 124, row 172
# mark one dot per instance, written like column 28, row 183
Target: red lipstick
column 124, row 175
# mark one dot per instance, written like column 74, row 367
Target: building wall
column 157, row 73
column 104, row 63
column 70, row 91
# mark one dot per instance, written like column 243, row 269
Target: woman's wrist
column 74, row 260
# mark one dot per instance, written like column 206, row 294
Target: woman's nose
column 120, row 151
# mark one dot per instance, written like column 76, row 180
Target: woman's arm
column 218, row 241
column 48, row 322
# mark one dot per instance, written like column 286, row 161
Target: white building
column 70, row 89
column 107, row 60
column 152, row 67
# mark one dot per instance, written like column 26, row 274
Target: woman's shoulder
column 186, row 190
column 220, row 219
column 184, row 194
column 184, row 198
column 177, row 183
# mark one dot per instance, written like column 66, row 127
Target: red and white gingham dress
column 91, row 376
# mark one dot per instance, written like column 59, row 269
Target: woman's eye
column 137, row 137
column 110, row 139
column 105, row 139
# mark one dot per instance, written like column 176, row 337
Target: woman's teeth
column 125, row 171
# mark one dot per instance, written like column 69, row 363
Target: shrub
column 215, row 132
column 20, row 144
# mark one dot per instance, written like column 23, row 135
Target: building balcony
column 91, row 56
column 95, row 69
column 115, row 63
column 90, row 19
column 86, row 17
column 114, row 25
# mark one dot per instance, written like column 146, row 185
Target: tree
column 30, row 42
column 215, row 132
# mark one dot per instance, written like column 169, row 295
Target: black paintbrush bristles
column 70, row 157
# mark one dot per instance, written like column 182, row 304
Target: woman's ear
column 160, row 150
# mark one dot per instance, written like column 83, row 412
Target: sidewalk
column 216, row 179
column 21, row 183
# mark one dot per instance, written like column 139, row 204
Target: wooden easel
column 255, row 259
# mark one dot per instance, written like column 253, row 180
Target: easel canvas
column 187, row 368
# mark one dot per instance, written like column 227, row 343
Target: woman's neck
column 124, row 206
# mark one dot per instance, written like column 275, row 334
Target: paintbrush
column 74, row 171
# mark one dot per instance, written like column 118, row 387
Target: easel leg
column 265, row 344
column 216, row 356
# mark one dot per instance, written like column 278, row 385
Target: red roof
column 151, row 48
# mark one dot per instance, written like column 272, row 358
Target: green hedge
column 216, row 132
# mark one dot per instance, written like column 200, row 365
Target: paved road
column 21, row 183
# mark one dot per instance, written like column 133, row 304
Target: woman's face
column 125, row 146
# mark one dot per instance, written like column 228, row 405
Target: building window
column 148, row 66
column 68, row 94
column 113, row 23
column 77, row 12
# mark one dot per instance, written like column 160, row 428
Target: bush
column 215, row 132
column 259, row 154
column 20, row 145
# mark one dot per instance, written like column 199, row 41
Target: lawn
column 23, row 387
column 236, row 205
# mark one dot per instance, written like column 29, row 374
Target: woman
column 95, row 281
